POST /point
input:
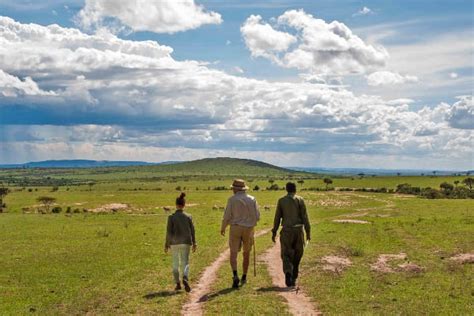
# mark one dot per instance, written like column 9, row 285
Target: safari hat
column 239, row 184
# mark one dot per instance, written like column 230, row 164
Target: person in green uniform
column 291, row 214
column 180, row 237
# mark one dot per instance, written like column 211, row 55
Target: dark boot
column 288, row 279
column 243, row 280
column 178, row 286
column 235, row 282
column 187, row 288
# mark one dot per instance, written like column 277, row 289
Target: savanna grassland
column 103, row 252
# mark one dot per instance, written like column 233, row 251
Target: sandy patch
column 335, row 264
column 351, row 221
column 463, row 258
column 385, row 264
column 330, row 203
column 112, row 207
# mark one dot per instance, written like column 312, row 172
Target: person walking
column 291, row 213
column 242, row 214
column 180, row 237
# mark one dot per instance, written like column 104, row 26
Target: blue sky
column 310, row 83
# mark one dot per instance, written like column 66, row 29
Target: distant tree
column 399, row 174
column 434, row 172
column 361, row 175
column 422, row 174
column 178, row 188
column 301, row 182
column 90, row 184
column 256, row 188
column 271, row 181
column 327, row 181
column 456, row 183
column 46, row 201
column 55, row 188
column 3, row 193
column 446, row 187
column 273, row 187
column 469, row 182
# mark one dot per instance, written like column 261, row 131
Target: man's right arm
column 227, row 216
column 277, row 220
column 169, row 228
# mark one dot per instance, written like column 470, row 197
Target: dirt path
column 200, row 290
column 298, row 302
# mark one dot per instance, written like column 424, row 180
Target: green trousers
column 292, row 248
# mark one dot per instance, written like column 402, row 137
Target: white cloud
column 135, row 97
column 262, row 40
column 461, row 114
column 238, row 70
column 164, row 16
column 364, row 11
column 322, row 48
column 453, row 75
column 382, row 78
column 11, row 86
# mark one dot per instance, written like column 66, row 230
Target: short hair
column 291, row 187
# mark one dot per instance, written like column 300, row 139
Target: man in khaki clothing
column 291, row 213
column 242, row 214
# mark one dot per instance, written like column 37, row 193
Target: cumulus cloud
column 164, row 16
column 383, row 78
column 11, row 86
column 321, row 48
column 97, row 90
column 461, row 114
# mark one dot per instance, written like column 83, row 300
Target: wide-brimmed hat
column 239, row 184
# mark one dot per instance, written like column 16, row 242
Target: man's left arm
column 257, row 211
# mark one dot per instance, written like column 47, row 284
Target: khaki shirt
column 242, row 210
column 291, row 212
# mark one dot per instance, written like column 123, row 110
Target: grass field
column 113, row 263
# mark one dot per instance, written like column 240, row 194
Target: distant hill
column 80, row 163
column 379, row 172
column 224, row 166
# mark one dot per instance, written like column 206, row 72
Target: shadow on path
column 153, row 295
column 277, row 289
column 211, row 296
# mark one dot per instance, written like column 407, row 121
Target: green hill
column 222, row 166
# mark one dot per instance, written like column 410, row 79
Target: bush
column 256, row 188
column 220, row 188
column 273, row 187
column 56, row 209
column 68, row 210
column 178, row 188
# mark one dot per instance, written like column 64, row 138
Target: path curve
column 198, row 295
column 298, row 302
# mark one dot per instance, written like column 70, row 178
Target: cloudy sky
column 377, row 84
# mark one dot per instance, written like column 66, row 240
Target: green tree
column 327, row 181
column 46, row 201
column 3, row 193
column 446, row 187
column 469, row 182
column 256, row 188
column 456, row 183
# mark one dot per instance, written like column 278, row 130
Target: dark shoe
column 178, row 287
column 288, row 279
column 293, row 282
column 243, row 280
column 235, row 282
column 187, row 288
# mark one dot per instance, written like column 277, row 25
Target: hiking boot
column 178, row 287
column 293, row 282
column 187, row 288
column 235, row 282
column 288, row 279
column 243, row 280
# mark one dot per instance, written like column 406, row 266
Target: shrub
column 273, row 187
column 256, row 188
column 178, row 188
column 56, row 209
column 68, row 209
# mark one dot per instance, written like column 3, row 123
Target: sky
column 369, row 84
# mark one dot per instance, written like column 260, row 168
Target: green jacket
column 291, row 212
column 180, row 229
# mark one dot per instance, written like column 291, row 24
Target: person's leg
column 175, row 255
column 247, row 240
column 287, row 254
column 235, row 242
column 184, row 258
column 299, row 250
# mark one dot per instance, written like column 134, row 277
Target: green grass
column 114, row 263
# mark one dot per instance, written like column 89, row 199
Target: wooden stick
column 254, row 259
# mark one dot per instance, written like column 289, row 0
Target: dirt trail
column 298, row 302
column 200, row 290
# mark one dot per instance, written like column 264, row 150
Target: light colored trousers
column 180, row 255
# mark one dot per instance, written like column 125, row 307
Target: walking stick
column 254, row 260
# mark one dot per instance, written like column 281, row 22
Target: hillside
column 222, row 166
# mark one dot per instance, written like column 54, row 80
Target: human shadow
column 153, row 295
column 277, row 289
column 211, row 296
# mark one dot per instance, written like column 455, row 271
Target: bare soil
column 335, row 264
column 386, row 263
column 112, row 207
column 298, row 302
column 351, row 221
column 463, row 258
